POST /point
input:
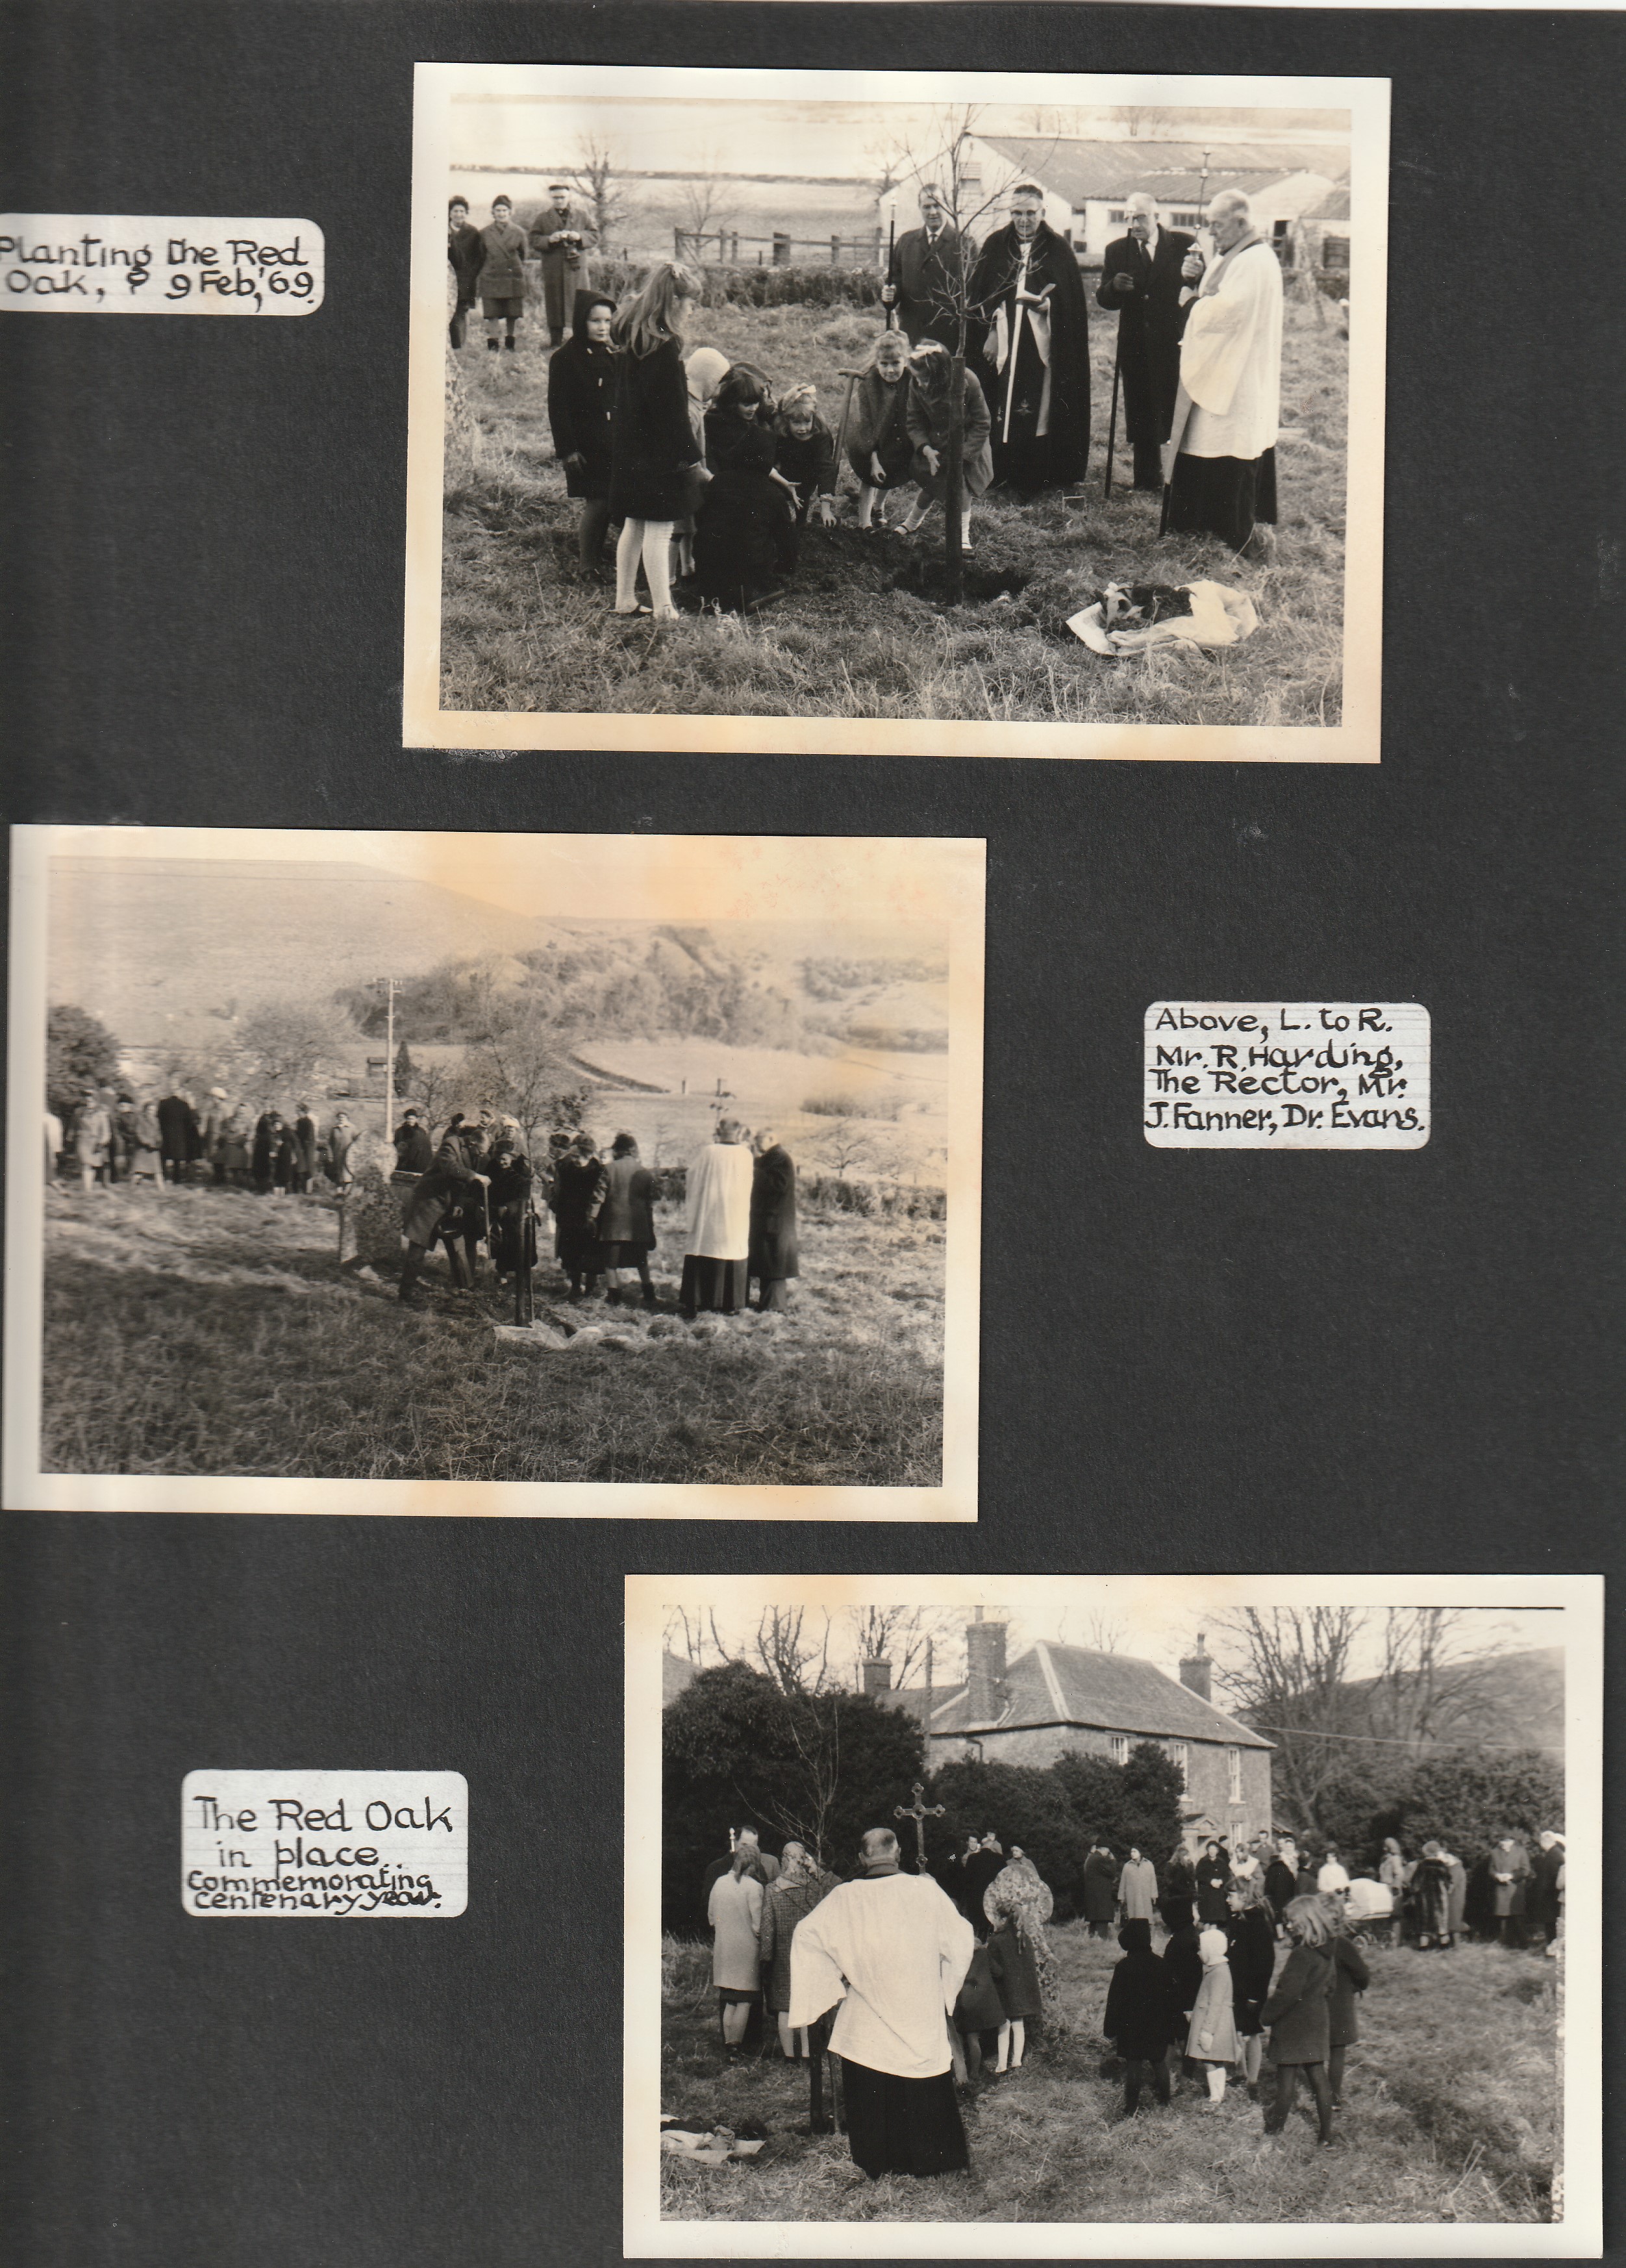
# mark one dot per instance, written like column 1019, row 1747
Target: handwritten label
column 1286, row 1075
column 346, row 1845
column 124, row 264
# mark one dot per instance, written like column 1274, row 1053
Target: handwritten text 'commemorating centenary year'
column 1286, row 1075
column 125, row 264
column 350, row 1845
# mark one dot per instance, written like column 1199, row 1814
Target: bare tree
column 906, row 1636
column 796, row 1663
column 1150, row 121
column 289, row 1043
column 597, row 178
column 706, row 203
column 523, row 1066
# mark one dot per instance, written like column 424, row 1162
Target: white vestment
column 1230, row 357
column 894, row 1950
column 719, row 1202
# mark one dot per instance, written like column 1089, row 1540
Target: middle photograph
column 541, row 1174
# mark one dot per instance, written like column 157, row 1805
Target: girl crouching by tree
column 879, row 447
column 1299, row 2013
column 736, row 530
column 806, row 458
column 929, row 420
column 655, row 469
column 581, row 392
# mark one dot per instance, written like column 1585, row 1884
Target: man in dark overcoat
column 579, row 1182
column 1141, row 280
column 178, row 1136
column 772, row 1256
column 923, row 278
column 466, row 257
column 1034, row 365
column 415, row 1152
column 1101, row 1890
column 450, row 1185
column 559, row 238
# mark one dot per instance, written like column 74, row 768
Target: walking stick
column 1112, row 425
column 891, row 231
column 851, row 377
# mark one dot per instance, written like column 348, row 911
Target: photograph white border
column 1578, row 2236
column 939, row 878
column 426, row 725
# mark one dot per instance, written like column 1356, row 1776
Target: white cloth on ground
column 894, row 1950
column 719, row 1202
column 1230, row 357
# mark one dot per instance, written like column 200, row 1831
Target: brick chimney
column 876, row 1677
column 1197, row 1671
column 985, row 1669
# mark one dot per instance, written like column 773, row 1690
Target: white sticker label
column 124, row 263
column 1286, row 1075
column 352, row 1845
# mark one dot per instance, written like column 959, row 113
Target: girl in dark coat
column 626, row 1222
column 654, row 460
column 1183, row 1969
column 1281, row 1887
column 1351, row 1976
column 979, row 2012
column 1177, row 1885
column 773, row 1258
column 1213, row 1880
column 879, row 447
column 1250, row 1941
column 747, row 501
column 1137, row 2021
column 1298, row 2013
column 577, row 1193
column 267, row 1135
column 928, row 420
column 807, row 457
column 581, row 392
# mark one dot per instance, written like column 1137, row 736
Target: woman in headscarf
column 577, row 1193
column 1018, row 1904
column 1392, row 1867
column 799, row 1886
column 1137, row 1886
column 1213, row 1875
column 704, row 371
column 581, row 388
column 1431, row 1898
column 626, row 1232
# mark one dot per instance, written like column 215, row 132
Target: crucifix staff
column 919, row 1811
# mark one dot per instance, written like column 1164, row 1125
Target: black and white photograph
column 1210, row 1915
column 897, row 412
column 535, row 1173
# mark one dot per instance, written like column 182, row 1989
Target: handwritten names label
column 349, row 1846
column 1286, row 1075
column 137, row 264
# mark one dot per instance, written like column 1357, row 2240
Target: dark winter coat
column 652, row 443
column 581, row 393
column 734, row 550
column 267, row 1134
column 1281, row 1886
column 578, row 1192
column 1151, row 324
column 1182, row 1972
column 1429, row 1893
column 979, row 1872
column 773, row 1255
column 305, row 1137
column 878, row 426
column 1138, row 2019
column 1351, row 1976
column 926, row 274
column 979, row 2007
column 177, row 1129
column 1212, row 1874
column 1544, row 1901
column 1100, row 1886
column 1052, row 261
column 561, row 264
column 1015, row 1972
column 466, row 255
column 448, row 1185
column 1250, row 1948
column 809, row 461
column 502, row 261
column 626, row 1214
column 927, row 420
column 1299, row 2012
column 415, row 1152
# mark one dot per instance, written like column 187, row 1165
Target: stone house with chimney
column 1053, row 1698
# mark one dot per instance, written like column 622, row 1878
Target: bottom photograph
column 1209, row 1915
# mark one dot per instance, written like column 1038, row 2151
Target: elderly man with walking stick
column 1141, row 281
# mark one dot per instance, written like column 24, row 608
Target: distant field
column 1451, row 2102
column 210, row 1332
column 860, row 635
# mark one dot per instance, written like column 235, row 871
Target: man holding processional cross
column 1034, row 367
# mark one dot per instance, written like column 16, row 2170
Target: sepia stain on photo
column 500, row 1173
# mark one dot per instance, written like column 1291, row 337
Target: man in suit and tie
column 923, row 281
column 1141, row 279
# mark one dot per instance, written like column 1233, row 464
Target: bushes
column 744, row 286
column 831, row 1193
column 851, row 1106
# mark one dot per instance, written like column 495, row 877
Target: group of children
column 712, row 475
column 1207, row 2001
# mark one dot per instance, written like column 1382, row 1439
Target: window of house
column 1118, row 215
column 1185, row 220
column 1119, row 1744
column 1177, row 1752
column 1233, row 1767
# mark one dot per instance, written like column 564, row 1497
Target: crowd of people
column 113, row 1134
column 711, row 472
column 934, row 1978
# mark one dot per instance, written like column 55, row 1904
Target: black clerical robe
column 1036, row 373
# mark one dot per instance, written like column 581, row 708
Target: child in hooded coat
column 735, row 528
column 1137, row 2021
column 581, row 390
column 1211, row 2040
column 979, row 2013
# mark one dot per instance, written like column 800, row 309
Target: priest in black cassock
column 1034, row 367
column 1141, row 279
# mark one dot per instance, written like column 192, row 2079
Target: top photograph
column 896, row 413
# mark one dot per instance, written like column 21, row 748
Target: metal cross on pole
column 919, row 1812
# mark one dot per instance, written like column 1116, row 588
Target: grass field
column 1450, row 2117
column 210, row 1331
column 862, row 634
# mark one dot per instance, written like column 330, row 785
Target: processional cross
column 919, row 1812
